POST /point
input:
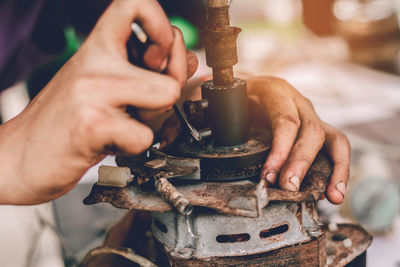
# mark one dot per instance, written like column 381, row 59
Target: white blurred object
column 375, row 203
column 375, row 198
column 345, row 94
column 255, row 47
column 384, row 250
column 28, row 237
column 282, row 12
column 397, row 9
column 13, row 101
column 346, row 9
column 363, row 10
column 28, row 233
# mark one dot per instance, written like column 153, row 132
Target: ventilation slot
column 162, row 227
column 233, row 238
column 274, row 231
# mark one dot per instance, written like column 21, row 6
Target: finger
column 177, row 64
column 146, row 115
column 309, row 142
column 114, row 29
column 338, row 148
column 127, row 136
column 192, row 64
column 170, row 130
column 285, row 126
column 139, row 88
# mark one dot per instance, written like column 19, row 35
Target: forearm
column 10, row 186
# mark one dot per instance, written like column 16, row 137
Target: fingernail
column 164, row 65
column 341, row 187
column 271, row 177
column 294, row 183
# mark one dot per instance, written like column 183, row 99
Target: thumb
column 114, row 29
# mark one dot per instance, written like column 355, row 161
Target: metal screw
column 204, row 133
column 191, row 107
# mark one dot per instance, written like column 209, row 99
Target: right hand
column 80, row 115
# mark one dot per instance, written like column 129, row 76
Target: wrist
column 9, row 165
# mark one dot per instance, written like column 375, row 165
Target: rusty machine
column 208, row 205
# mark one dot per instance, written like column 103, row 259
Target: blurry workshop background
column 341, row 54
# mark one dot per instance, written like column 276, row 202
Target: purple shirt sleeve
column 18, row 54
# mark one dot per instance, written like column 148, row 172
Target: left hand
column 298, row 134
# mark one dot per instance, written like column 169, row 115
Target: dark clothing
column 32, row 32
column 18, row 54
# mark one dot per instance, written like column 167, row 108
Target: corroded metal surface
column 220, row 44
column 216, row 235
column 258, row 142
column 320, row 251
column 342, row 251
column 218, row 196
column 337, row 255
column 230, row 163
column 222, row 197
column 310, row 254
column 317, row 177
column 204, row 162
column 173, row 196
column 127, row 253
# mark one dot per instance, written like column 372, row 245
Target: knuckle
column 308, row 102
column 303, row 161
column 342, row 138
column 167, row 36
column 283, row 84
column 319, row 132
column 277, row 81
column 287, row 119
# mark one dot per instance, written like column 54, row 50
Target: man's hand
column 298, row 135
column 80, row 115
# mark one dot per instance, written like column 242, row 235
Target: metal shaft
column 220, row 43
column 227, row 111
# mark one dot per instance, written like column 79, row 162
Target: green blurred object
column 72, row 43
column 375, row 203
column 42, row 75
column 189, row 31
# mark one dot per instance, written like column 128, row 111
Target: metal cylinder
column 227, row 112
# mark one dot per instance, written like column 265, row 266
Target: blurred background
column 344, row 55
